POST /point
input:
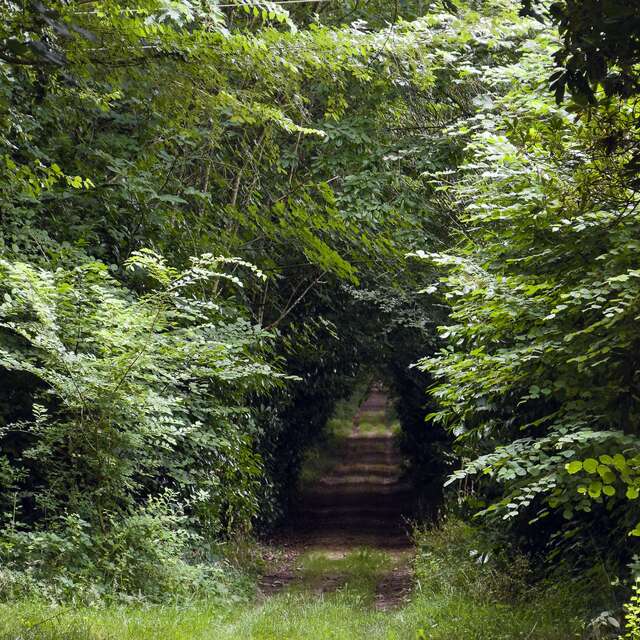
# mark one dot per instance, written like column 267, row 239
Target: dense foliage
column 538, row 372
column 205, row 216
column 214, row 215
column 600, row 46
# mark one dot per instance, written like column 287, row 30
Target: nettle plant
column 139, row 427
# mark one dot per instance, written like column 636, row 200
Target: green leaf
column 595, row 489
column 574, row 466
column 619, row 462
column 590, row 465
column 606, row 474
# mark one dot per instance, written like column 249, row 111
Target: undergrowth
column 461, row 593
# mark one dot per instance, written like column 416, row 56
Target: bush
column 147, row 556
column 632, row 617
column 457, row 558
column 138, row 452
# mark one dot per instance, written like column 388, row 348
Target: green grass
column 456, row 598
column 344, row 615
column 377, row 423
column 358, row 571
column 320, row 459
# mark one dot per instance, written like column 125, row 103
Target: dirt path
column 360, row 505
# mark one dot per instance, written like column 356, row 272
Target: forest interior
column 319, row 319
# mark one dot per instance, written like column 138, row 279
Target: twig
column 286, row 312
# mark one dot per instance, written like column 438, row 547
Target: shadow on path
column 361, row 503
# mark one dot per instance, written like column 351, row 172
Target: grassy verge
column 459, row 595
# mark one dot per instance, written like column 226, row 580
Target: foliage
column 632, row 617
column 600, row 46
column 126, row 449
column 154, row 400
column 184, row 130
column 464, row 560
column 537, row 371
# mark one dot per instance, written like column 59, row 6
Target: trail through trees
column 361, row 504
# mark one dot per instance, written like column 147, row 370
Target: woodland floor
column 360, row 505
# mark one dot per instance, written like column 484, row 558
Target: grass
column 293, row 616
column 456, row 598
column 357, row 572
column 319, row 459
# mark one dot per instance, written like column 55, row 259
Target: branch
column 286, row 312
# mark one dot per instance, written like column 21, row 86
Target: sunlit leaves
column 574, row 467
column 138, row 394
column 540, row 347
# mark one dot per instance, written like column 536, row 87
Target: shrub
column 138, row 449
column 632, row 617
